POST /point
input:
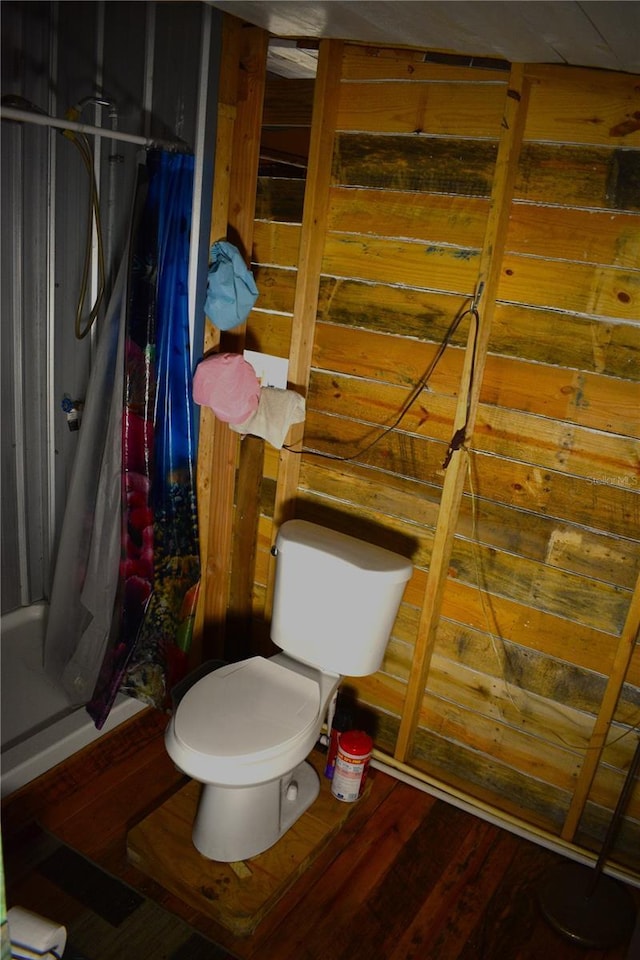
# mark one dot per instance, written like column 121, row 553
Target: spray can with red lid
column 352, row 764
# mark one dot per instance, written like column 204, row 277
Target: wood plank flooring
column 407, row 877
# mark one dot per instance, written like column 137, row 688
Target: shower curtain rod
column 44, row 120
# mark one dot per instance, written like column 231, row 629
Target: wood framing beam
column 206, row 465
column 628, row 640
column 515, row 110
column 242, row 84
column 244, row 543
column 313, row 232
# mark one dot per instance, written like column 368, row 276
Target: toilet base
column 236, row 823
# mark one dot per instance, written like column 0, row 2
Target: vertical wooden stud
column 314, row 224
column 602, row 725
column 244, row 543
column 515, row 110
column 243, row 73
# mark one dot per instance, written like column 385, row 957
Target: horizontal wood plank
column 578, row 644
column 441, row 109
column 484, row 716
column 559, row 174
column 571, row 175
column 280, row 198
column 428, row 164
column 600, row 403
column 491, row 781
column 387, row 63
column 597, row 488
column 603, row 498
column 582, row 343
column 415, row 216
column 275, row 244
column 414, row 264
column 600, row 458
column 576, row 342
column 570, row 547
column 276, row 288
column 625, row 848
column 550, row 678
column 582, row 106
column 587, row 236
column 558, row 443
column 542, row 587
column 269, row 333
column 288, row 102
column 573, row 287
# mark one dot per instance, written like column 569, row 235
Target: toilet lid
column 246, row 708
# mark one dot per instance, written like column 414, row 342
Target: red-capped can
column 352, row 764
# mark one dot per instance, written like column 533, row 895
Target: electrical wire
column 485, row 601
column 416, row 390
column 459, row 438
column 493, row 630
column 458, row 441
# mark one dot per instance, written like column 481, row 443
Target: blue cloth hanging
column 231, row 289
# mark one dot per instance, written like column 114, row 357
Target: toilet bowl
column 244, row 732
column 245, row 729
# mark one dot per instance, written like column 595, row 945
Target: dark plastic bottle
column 341, row 722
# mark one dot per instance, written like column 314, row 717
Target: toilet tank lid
column 355, row 553
column 246, row 708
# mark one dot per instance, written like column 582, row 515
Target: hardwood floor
column 408, row 876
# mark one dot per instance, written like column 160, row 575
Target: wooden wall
column 513, row 672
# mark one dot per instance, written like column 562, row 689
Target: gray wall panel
column 54, row 55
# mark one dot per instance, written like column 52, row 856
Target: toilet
column 244, row 730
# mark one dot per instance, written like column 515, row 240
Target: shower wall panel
column 146, row 59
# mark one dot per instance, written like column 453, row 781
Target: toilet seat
column 243, row 714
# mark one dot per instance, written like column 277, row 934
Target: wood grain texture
column 442, row 109
column 567, row 174
column 585, row 107
column 405, row 873
column 386, row 63
column 537, row 591
column 308, row 262
column 236, row 895
column 574, row 342
column 244, row 68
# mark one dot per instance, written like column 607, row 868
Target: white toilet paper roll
column 34, row 936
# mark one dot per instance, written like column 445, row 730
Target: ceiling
column 591, row 33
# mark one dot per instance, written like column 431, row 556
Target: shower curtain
column 137, row 551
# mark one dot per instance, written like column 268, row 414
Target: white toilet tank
column 335, row 598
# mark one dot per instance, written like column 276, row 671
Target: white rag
column 277, row 410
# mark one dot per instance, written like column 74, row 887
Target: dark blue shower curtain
column 159, row 568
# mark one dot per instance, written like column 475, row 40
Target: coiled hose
column 80, row 141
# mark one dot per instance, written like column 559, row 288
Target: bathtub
column 39, row 726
